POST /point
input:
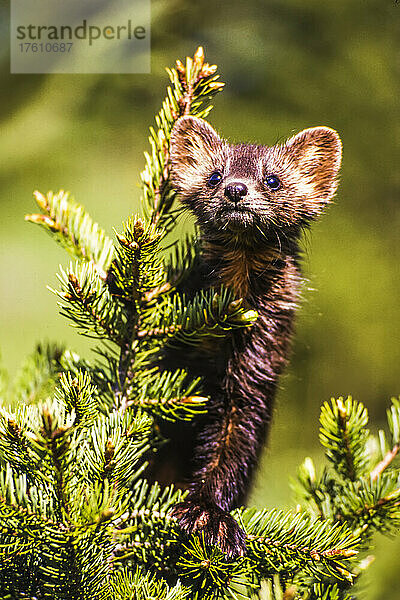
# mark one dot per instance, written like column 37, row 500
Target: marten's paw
column 218, row 526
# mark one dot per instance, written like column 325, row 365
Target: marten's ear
column 312, row 158
column 193, row 146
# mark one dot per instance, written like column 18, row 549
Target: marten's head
column 245, row 191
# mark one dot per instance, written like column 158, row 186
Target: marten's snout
column 235, row 191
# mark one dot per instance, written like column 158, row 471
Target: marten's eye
column 214, row 179
column 273, row 182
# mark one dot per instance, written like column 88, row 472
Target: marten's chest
column 249, row 273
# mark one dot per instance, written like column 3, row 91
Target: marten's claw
column 218, row 526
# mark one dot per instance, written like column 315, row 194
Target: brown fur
column 239, row 263
column 250, row 243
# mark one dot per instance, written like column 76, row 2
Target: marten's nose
column 235, row 191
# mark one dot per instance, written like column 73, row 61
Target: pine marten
column 251, row 204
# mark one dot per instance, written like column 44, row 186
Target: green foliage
column 135, row 585
column 73, row 228
column 168, row 395
column 80, row 395
column 344, row 436
column 193, row 85
column 208, row 315
column 282, row 542
column 87, row 302
column 361, row 489
column 77, row 519
column 138, row 267
column 37, row 376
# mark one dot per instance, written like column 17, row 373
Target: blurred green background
column 288, row 64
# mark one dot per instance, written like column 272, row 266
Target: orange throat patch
column 239, row 264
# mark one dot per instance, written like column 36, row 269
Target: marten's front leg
column 227, row 450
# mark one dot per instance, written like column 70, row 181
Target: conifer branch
column 182, row 259
column 38, row 375
column 277, row 542
column 389, row 454
column 372, row 506
column 80, row 395
column 29, row 527
column 145, row 586
column 101, row 374
column 366, row 501
column 168, row 395
column 193, row 85
column 86, row 301
column 385, row 462
column 114, row 449
column 136, row 271
column 323, row 591
column 272, row 533
column 57, row 446
column 137, row 268
column 74, row 229
column 209, row 314
column 18, row 447
column 344, row 436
